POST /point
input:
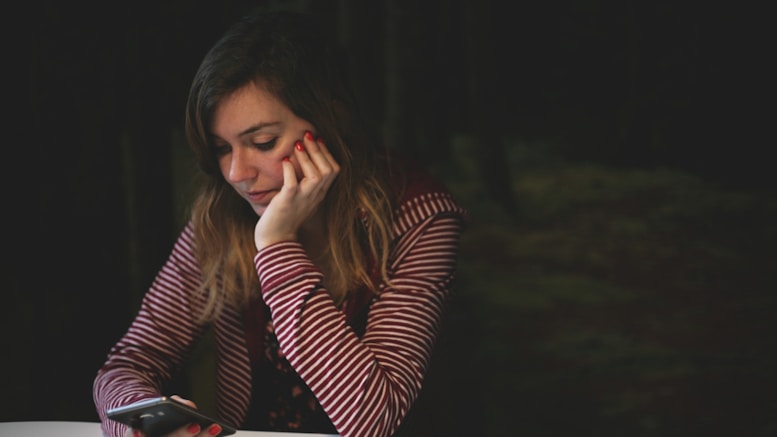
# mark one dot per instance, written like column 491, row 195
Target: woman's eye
column 221, row 149
column 266, row 146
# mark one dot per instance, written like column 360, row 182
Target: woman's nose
column 241, row 166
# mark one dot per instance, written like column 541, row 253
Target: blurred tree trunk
column 360, row 27
column 397, row 116
column 419, row 107
column 483, row 93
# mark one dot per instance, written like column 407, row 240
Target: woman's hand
column 189, row 430
column 298, row 200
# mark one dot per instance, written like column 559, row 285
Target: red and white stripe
column 366, row 385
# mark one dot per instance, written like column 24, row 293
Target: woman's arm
column 157, row 341
column 365, row 385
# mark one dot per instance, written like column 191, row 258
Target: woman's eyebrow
column 258, row 126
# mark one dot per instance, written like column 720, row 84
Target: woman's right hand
column 298, row 200
column 189, row 430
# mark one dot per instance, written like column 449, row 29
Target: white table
column 92, row 429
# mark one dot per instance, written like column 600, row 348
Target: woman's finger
column 184, row 401
column 289, row 175
column 321, row 145
column 306, row 164
column 320, row 156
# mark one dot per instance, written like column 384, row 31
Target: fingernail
column 299, row 146
column 194, row 428
column 320, row 140
column 308, row 136
column 137, row 433
column 286, row 158
column 214, row 429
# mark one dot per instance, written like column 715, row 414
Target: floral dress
column 280, row 400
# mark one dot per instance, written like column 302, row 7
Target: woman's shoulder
column 409, row 180
column 183, row 248
column 422, row 195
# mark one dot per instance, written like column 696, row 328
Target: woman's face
column 252, row 132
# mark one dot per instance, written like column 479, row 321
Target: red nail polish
column 320, row 140
column 214, row 429
column 194, row 428
column 136, row 433
column 299, row 146
column 308, row 136
column 286, row 158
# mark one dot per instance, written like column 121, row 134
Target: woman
column 323, row 263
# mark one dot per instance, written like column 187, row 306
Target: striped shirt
column 366, row 384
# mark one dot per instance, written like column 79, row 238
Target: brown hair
column 289, row 54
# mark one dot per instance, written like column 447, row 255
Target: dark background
column 97, row 180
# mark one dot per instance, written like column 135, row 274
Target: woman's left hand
column 297, row 200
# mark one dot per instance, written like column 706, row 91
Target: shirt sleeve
column 366, row 385
column 157, row 341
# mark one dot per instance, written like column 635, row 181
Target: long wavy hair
column 289, row 54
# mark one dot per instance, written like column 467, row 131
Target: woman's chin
column 259, row 209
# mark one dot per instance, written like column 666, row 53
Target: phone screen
column 159, row 416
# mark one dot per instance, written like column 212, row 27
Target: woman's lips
column 259, row 196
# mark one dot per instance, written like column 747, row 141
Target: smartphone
column 159, row 416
